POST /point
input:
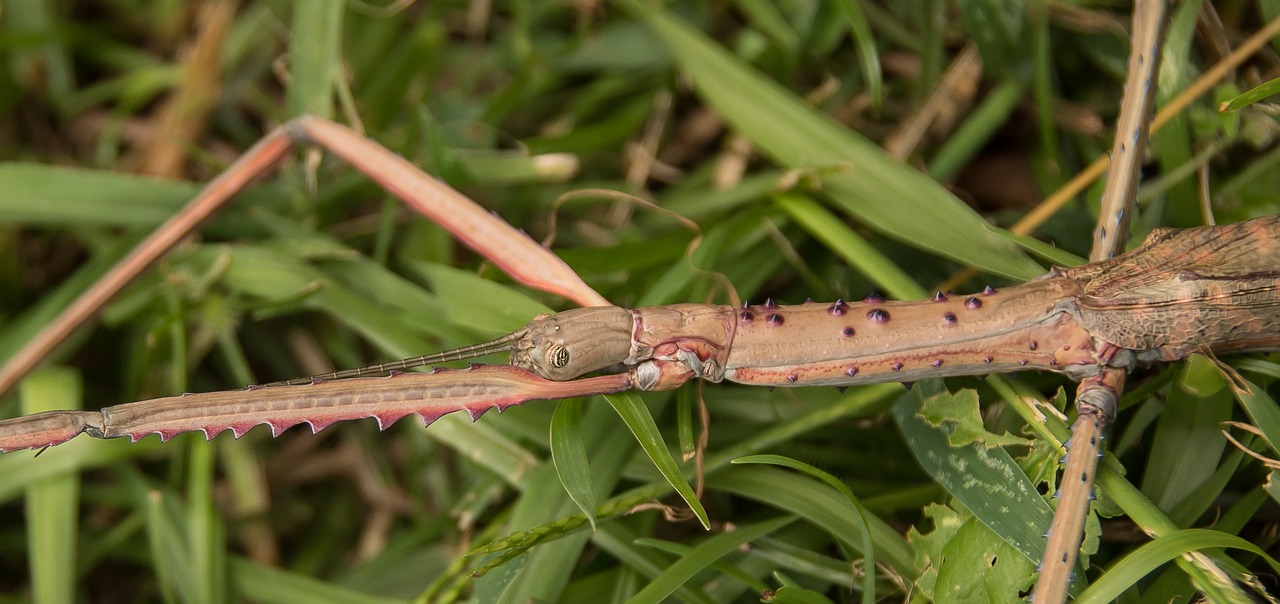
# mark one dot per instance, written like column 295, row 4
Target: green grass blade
column 791, row 594
column 1257, row 403
column 273, row 585
column 52, row 503
column 702, row 556
column 978, row 130
column 868, row 54
column 1187, row 443
column 315, row 57
column 569, row 455
column 823, row 507
column 766, row 17
column 878, row 190
column 168, row 553
column 620, row 543
column 1127, row 571
column 1262, row 91
column 42, row 65
column 868, row 548
column 855, row 250
column 205, row 537
column 1046, row 251
column 633, row 412
column 65, row 196
column 1205, row 573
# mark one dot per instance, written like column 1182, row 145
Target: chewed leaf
column 960, row 418
column 986, row 480
column 975, row 551
column 960, row 546
column 929, row 546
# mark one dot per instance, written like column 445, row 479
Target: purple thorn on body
column 847, row 332
column 1034, row 344
column 988, row 290
column 769, row 303
column 937, row 363
column 879, row 315
column 852, row 371
column 1066, row 347
column 808, row 300
column 1023, row 362
column 987, row 360
column 746, row 316
column 938, row 296
column 792, row 378
column 841, row 389
column 774, row 320
column 874, row 298
column 837, row 309
column 949, row 318
column 771, row 388
column 746, row 304
column 896, row 367
column 972, row 303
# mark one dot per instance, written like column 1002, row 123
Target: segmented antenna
column 503, row 344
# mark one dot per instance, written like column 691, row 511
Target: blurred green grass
column 761, row 121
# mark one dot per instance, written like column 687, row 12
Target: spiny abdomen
column 875, row 341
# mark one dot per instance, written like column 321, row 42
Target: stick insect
column 683, row 361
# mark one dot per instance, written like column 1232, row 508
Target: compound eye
column 558, row 356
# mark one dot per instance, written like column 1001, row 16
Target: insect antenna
column 504, row 344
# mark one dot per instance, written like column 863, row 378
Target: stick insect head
column 568, row 344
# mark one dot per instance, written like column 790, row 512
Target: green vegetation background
column 762, row 122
